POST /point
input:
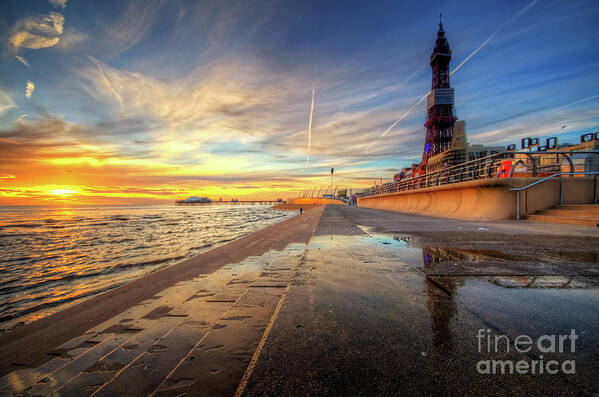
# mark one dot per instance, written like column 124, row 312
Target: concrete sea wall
column 312, row 201
column 487, row 199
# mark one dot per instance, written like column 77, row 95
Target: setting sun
column 62, row 192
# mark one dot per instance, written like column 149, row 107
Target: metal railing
column 561, row 195
column 523, row 164
column 313, row 193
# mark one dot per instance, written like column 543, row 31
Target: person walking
column 301, row 210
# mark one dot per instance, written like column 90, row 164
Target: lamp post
column 332, row 183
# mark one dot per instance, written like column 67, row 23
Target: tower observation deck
column 440, row 101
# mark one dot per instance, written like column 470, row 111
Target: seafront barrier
column 314, row 200
column 485, row 199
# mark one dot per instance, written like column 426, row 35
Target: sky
column 131, row 101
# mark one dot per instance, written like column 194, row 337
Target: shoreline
column 28, row 345
column 142, row 264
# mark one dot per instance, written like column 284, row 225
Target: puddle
column 434, row 255
column 437, row 261
column 442, row 260
column 589, row 257
column 560, row 282
column 444, row 254
column 370, row 278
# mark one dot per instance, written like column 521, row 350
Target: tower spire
column 439, row 124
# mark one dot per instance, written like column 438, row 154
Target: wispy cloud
column 59, row 3
column 118, row 35
column 36, row 32
column 22, row 60
column 29, row 88
column 72, row 38
column 228, row 101
column 6, row 102
column 31, row 40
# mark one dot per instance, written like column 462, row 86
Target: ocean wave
column 226, row 240
column 101, row 245
column 120, row 241
column 24, row 225
column 17, row 259
column 49, row 281
column 157, row 261
column 19, row 312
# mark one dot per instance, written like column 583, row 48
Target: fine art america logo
column 531, row 350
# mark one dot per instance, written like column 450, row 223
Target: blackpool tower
column 439, row 125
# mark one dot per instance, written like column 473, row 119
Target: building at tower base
column 456, row 153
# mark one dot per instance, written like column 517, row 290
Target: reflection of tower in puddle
column 442, row 308
column 432, row 256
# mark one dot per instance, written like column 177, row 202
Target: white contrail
column 576, row 103
column 480, row 47
column 310, row 127
column 516, row 15
column 397, row 121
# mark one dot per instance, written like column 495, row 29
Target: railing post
column 595, row 190
column 518, row 205
column 561, row 195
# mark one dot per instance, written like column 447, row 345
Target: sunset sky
column 152, row 101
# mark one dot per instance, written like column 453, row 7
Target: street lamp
column 332, row 169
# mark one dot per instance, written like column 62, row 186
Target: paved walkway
column 197, row 336
column 376, row 310
column 377, row 303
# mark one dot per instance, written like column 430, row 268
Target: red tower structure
column 439, row 126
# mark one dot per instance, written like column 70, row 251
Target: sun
column 62, row 192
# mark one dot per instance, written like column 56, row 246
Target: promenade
column 338, row 301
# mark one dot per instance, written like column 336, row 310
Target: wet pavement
column 374, row 311
column 196, row 337
column 375, row 304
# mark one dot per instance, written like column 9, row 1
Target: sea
column 53, row 257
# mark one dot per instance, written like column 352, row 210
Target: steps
column 579, row 214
